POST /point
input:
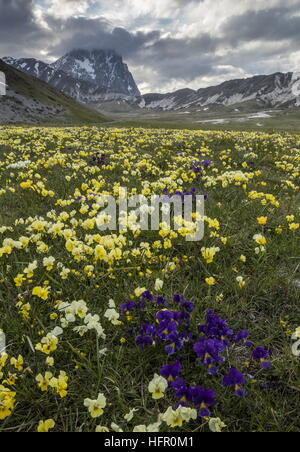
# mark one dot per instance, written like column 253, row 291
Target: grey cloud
column 20, row 34
column 275, row 24
column 82, row 32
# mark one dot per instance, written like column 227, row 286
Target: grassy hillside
column 30, row 100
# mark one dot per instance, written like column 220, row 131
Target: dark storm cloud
column 167, row 54
column 275, row 24
column 82, row 32
column 16, row 13
column 20, row 33
column 181, row 57
column 276, row 30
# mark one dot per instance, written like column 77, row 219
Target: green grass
column 270, row 294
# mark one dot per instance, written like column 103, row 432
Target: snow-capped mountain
column 277, row 90
column 105, row 68
column 88, row 76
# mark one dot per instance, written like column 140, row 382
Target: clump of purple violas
column 198, row 166
column 172, row 327
column 98, row 159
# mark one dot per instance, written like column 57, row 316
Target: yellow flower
column 262, row 221
column 48, row 262
column 60, row 384
column 19, row 280
column 45, row 426
column 41, row 292
column 157, row 387
column 43, row 382
column 260, row 239
column 294, row 226
column 210, row 281
column 129, row 416
column 241, row 281
column 209, row 254
column 17, row 363
column 96, row 406
column 290, row 218
column 158, row 285
column 175, row 418
column 100, row 253
column 26, row 184
column 7, row 402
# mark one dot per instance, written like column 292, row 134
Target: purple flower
column 127, row 307
column 241, row 337
column 235, row 379
column 209, row 351
column 182, row 392
column 262, row 354
column 171, row 371
column 161, row 301
column 206, row 163
column 187, row 305
column 203, row 398
column 215, row 327
column 148, row 295
column 143, row 341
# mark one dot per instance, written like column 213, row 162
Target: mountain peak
column 103, row 67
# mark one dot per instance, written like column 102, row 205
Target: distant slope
column 30, row 100
column 266, row 91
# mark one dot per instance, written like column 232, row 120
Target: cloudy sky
column 168, row 44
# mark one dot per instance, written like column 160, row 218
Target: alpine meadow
column 149, row 219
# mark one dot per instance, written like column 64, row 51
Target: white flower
column 152, row 428
column 158, row 285
column 138, row 292
column 296, row 334
column 216, row 425
column 129, row 416
column 81, row 330
column 112, row 315
column 57, row 331
column 101, row 429
column 111, row 303
column 116, row 428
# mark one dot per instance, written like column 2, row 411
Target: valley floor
column 239, row 118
